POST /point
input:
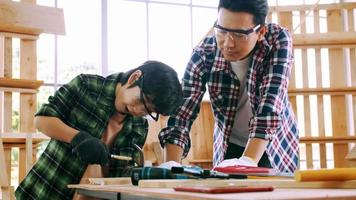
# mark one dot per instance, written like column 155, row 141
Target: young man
column 92, row 117
column 246, row 66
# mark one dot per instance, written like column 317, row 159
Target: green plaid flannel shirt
column 86, row 103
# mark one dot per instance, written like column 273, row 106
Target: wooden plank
column 334, row 91
column 7, row 121
column 17, row 35
column 22, row 164
column 319, row 98
column 3, row 172
column 7, row 193
column 336, row 174
column 283, row 183
column 7, row 154
column 20, row 83
column 285, row 19
column 324, row 39
column 306, row 99
column 132, row 192
column 19, row 90
column 158, row 152
column 26, row 18
column 28, row 70
column 203, row 137
column 332, row 6
column 153, row 129
column 110, row 181
column 337, row 79
column 333, row 139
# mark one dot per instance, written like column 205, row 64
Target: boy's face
column 130, row 100
column 236, row 45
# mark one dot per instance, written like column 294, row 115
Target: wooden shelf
column 26, row 18
column 20, row 138
column 329, row 139
column 20, row 83
column 322, row 91
column 324, row 39
column 17, row 35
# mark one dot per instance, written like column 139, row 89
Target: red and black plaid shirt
column 266, row 83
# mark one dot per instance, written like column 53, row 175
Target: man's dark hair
column 258, row 8
column 160, row 86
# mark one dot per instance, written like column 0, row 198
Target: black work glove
column 89, row 149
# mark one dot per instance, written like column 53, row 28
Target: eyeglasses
column 142, row 99
column 237, row 34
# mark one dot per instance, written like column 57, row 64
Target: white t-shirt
column 240, row 133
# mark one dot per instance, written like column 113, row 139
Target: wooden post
column 337, row 79
column 320, row 100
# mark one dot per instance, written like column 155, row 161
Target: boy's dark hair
column 160, row 85
column 258, row 8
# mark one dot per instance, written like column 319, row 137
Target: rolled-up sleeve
column 59, row 105
column 179, row 124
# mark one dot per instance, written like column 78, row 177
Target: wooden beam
column 322, row 91
column 333, row 6
column 334, row 140
column 20, row 83
column 324, row 39
column 20, row 138
column 19, row 90
column 17, row 35
column 26, row 18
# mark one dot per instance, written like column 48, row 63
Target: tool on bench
column 140, row 173
column 205, row 173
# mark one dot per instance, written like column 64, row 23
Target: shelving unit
column 26, row 21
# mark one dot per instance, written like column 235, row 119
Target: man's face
column 132, row 100
column 236, row 34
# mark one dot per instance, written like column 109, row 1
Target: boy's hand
column 89, row 149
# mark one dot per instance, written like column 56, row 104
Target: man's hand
column 170, row 164
column 89, row 149
column 242, row 161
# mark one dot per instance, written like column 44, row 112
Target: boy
column 92, row 117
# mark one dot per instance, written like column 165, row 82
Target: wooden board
column 20, row 138
column 319, row 39
column 110, row 181
column 283, row 183
column 20, row 83
column 134, row 192
column 337, row 174
column 31, row 19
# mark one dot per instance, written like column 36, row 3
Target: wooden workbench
column 127, row 191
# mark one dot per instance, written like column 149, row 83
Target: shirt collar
column 108, row 91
